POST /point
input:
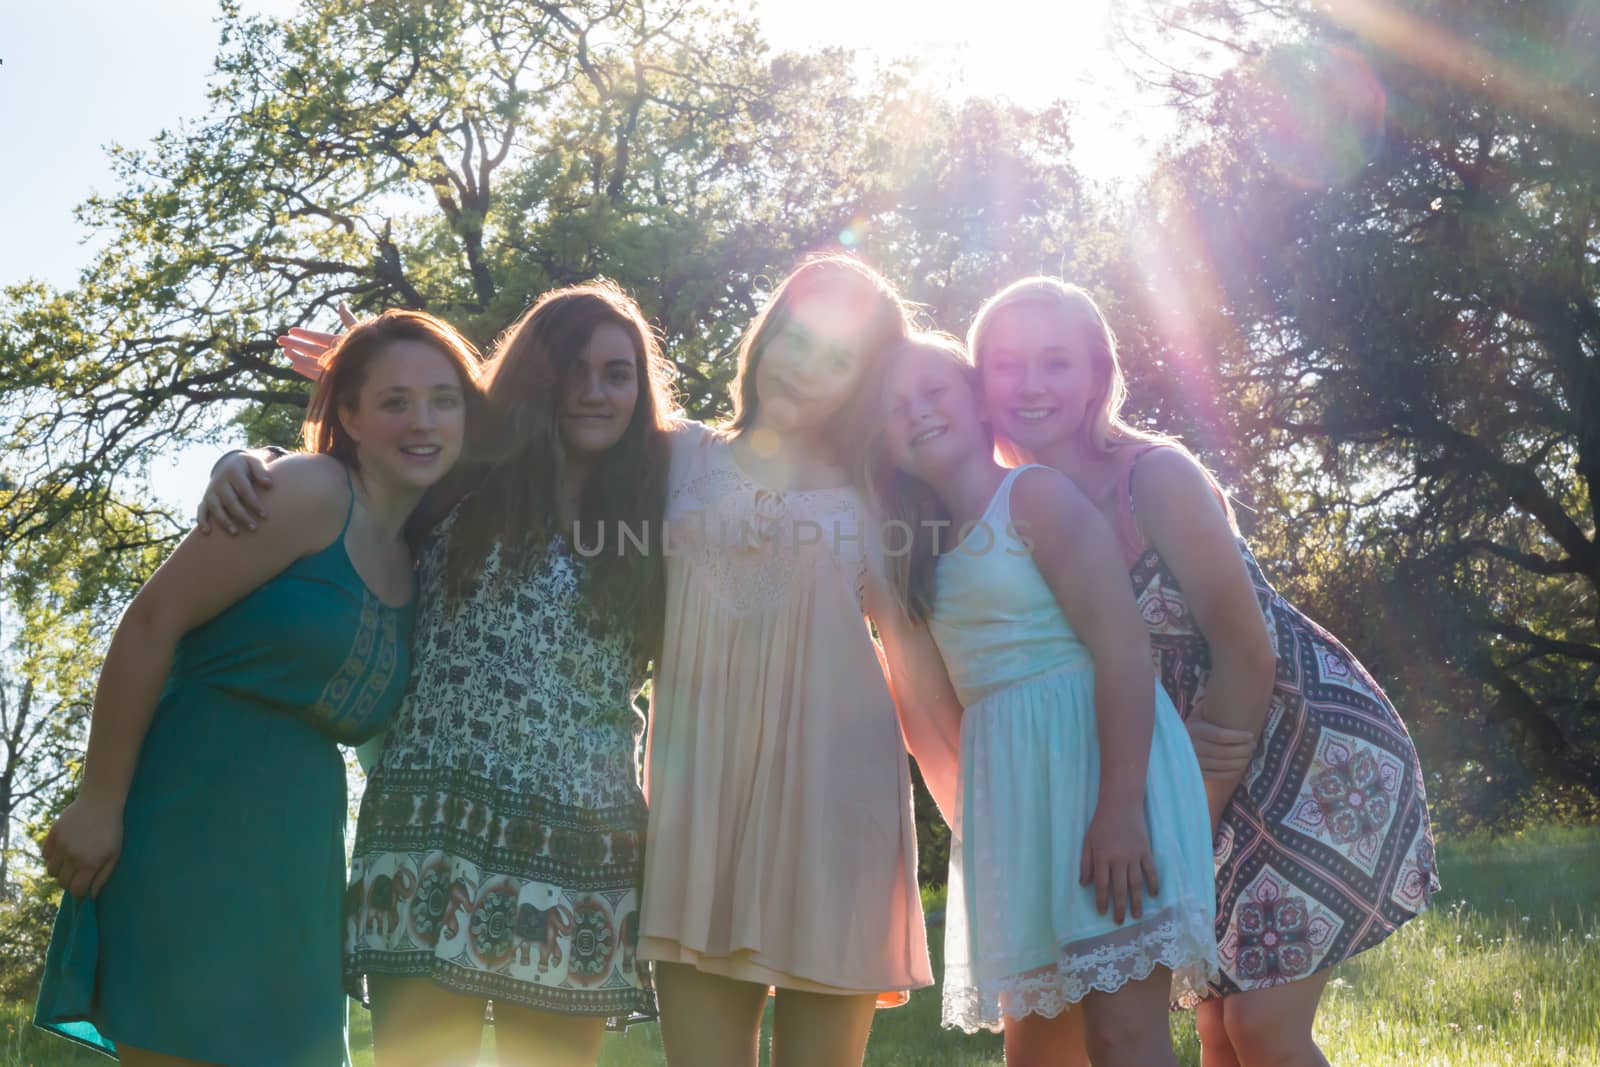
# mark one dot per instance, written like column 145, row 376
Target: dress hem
column 1188, row 972
column 1214, row 988
column 55, row 1028
column 621, row 1009
column 747, row 966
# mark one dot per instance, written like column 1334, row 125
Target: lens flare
column 1543, row 75
column 1184, row 303
column 1322, row 113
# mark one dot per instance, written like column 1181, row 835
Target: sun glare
column 1018, row 50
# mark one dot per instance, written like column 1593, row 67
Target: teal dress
column 217, row 936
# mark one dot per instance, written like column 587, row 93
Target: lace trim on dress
column 751, row 538
column 1179, row 938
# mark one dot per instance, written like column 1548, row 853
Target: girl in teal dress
column 1081, row 890
column 204, row 855
column 499, row 852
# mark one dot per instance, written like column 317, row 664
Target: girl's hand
column 231, row 499
column 1224, row 755
column 82, row 848
column 1223, row 752
column 1118, row 860
column 305, row 348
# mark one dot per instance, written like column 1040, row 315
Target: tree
column 461, row 156
column 1385, row 219
column 59, row 595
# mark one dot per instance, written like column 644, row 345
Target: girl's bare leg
column 1272, row 1027
column 1034, row 1041
column 528, row 1037
column 140, row 1057
column 1128, row 1028
column 707, row 1020
column 821, row 1029
column 417, row 1023
column 1216, row 1050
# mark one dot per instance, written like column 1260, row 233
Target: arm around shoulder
column 232, row 496
column 203, row 576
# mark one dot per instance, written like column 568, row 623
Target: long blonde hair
column 1103, row 430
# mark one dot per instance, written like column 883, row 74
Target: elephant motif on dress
column 383, row 900
column 460, row 903
column 542, row 928
column 354, row 895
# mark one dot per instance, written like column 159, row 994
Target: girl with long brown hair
column 782, row 854
column 500, row 846
column 782, row 848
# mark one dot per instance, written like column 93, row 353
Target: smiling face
column 409, row 416
column 1039, row 381
column 811, row 365
column 933, row 420
column 601, row 391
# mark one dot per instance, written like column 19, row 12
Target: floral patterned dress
column 500, row 847
column 1325, row 849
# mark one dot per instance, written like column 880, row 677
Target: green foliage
column 464, row 156
column 1382, row 240
column 58, row 597
column 29, row 913
column 1381, row 328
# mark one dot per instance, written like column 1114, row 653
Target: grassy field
column 1504, row 972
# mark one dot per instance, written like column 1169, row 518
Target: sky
column 79, row 75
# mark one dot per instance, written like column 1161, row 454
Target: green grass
column 1503, row 972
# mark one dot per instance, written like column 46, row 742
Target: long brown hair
column 886, row 320
column 908, row 501
column 1103, row 430
column 344, row 372
column 513, row 500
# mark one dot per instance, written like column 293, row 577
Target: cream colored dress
column 781, row 844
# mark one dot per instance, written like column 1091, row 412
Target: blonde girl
column 1322, row 842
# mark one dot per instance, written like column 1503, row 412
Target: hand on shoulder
column 207, row 574
column 310, row 498
column 312, row 477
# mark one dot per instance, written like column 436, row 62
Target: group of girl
column 505, row 854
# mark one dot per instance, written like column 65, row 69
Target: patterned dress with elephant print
column 1325, row 849
column 500, row 846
